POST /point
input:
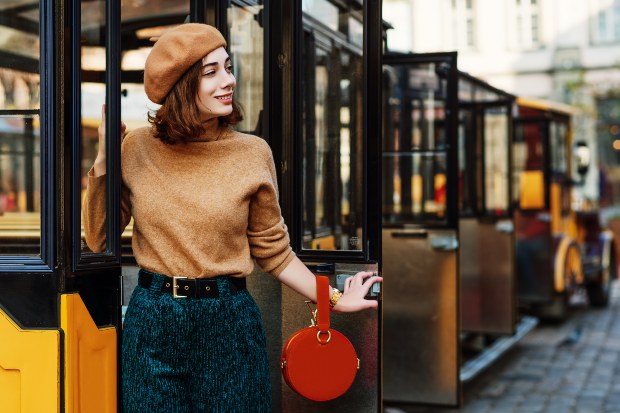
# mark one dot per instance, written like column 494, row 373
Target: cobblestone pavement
column 573, row 367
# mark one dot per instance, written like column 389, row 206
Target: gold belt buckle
column 175, row 287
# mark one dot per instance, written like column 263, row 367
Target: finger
column 358, row 279
column 367, row 274
column 364, row 274
column 370, row 282
column 373, row 279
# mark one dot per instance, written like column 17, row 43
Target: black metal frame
column 111, row 257
column 47, row 113
column 29, row 285
column 477, row 109
column 292, row 156
column 451, row 114
column 478, row 162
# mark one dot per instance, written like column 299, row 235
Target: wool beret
column 174, row 53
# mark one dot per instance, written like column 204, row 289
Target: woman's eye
column 209, row 73
column 229, row 68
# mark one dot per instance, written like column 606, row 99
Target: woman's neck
column 212, row 131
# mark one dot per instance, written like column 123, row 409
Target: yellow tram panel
column 532, row 190
column 90, row 361
column 29, row 368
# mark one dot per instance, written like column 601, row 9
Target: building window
column 527, row 26
column 463, row 24
column 605, row 27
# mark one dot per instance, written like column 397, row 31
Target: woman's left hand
column 355, row 289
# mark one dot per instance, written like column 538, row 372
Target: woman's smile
column 226, row 99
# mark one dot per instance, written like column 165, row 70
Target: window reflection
column 92, row 86
column 414, row 144
column 20, row 133
column 467, row 156
column 496, row 172
column 332, row 88
column 528, row 173
column 417, row 187
column 559, row 156
column 246, row 49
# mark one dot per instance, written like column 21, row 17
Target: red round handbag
column 317, row 362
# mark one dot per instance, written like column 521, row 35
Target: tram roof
column 548, row 106
column 485, row 86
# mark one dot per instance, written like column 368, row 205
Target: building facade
column 562, row 50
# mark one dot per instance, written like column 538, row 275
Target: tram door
column 333, row 210
column 486, row 229
column 59, row 300
column 420, row 238
column 549, row 259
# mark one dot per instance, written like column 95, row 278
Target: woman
column 204, row 200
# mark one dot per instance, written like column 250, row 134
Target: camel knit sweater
column 201, row 209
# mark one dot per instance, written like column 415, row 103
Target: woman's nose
column 229, row 81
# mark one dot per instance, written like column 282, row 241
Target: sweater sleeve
column 94, row 211
column 267, row 234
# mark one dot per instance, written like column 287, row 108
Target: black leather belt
column 181, row 287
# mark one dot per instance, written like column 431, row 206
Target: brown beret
column 174, row 53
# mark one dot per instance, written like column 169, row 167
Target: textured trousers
column 194, row 355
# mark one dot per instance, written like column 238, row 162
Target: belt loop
column 223, row 286
column 157, row 282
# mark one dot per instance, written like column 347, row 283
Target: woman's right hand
column 100, row 162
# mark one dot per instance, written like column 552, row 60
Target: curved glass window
column 92, row 85
column 414, row 144
column 20, row 129
column 247, row 53
column 333, row 139
column 496, row 162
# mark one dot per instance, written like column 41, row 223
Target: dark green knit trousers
column 194, row 355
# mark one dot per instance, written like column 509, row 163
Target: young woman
column 204, row 199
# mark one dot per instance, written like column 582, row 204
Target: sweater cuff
column 92, row 177
column 282, row 266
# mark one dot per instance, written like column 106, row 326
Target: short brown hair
column 178, row 118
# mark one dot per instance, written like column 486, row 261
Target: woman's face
column 217, row 83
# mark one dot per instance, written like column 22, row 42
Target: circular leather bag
column 317, row 362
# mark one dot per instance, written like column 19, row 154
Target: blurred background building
column 561, row 50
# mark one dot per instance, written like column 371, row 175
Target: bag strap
column 322, row 303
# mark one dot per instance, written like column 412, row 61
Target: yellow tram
column 460, row 164
column 479, row 231
column 308, row 75
column 561, row 250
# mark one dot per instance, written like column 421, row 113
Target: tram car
column 448, row 234
column 308, row 78
column 466, row 167
column 561, row 251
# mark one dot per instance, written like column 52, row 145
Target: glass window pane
column 417, row 106
column 496, row 172
column 414, row 187
column 20, row 132
column 93, row 67
column 467, row 170
column 323, row 11
column 528, row 162
column 559, row 147
column 333, row 152
column 247, row 52
column 414, row 144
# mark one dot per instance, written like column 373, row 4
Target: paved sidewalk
column 569, row 368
